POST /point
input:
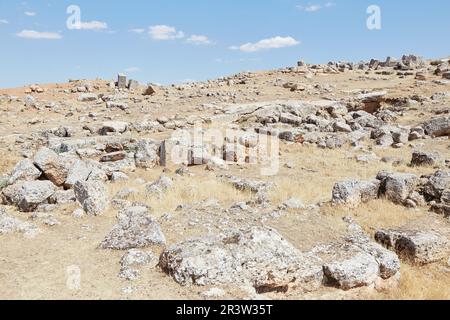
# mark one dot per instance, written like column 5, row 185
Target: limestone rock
column 135, row 229
column 92, row 195
column 352, row 192
column 416, row 246
column 259, row 256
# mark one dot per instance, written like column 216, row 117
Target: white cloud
column 93, row 25
column 32, row 34
column 29, row 13
column 265, row 44
column 137, row 30
column 3, row 21
column 163, row 32
column 132, row 69
column 315, row 7
column 199, row 39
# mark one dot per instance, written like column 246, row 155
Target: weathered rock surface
column 352, row 192
column 52, row 165
column 25, row 170
column 397, row 187
column 135, row 229
column 416, row 246
column 256, row 255
column 438, row 127
column 92, row 195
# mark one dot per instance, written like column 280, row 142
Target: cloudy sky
column 171, row 41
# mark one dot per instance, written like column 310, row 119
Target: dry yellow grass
column 185, row 190
column 377, row 214
column 420, row 283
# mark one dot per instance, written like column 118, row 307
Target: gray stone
column 135, row 229
column 416, row 246
column 438, row 127
column 353, row 192
column 397, row 187
column 121, row 81
column 92, row 195
column 259, row 256
column 113, row 127
column 24, row 170
column 33, row 193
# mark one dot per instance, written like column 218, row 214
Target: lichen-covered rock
column 416, row 246
column 92, row 195
column 259, row 256
column 352, row 192
column 135, row 258
column 358, row 261
column 135, row 229
column 79, row 171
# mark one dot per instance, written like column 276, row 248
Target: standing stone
column 92, row 195
column 122, row 81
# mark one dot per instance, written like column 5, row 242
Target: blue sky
column 171, row 41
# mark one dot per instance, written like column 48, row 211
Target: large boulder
column 92, row 195
column 416, row 246
column 397, row 187
column 135, row 229
column 352, row 192
column 33, row 193
column 24, row 170
column 438, row 127
column 436, row 184
column 255, row 255
column 52, row 165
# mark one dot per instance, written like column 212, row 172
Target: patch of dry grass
column 185, row 190
column 377, row 214
column 420, row 283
